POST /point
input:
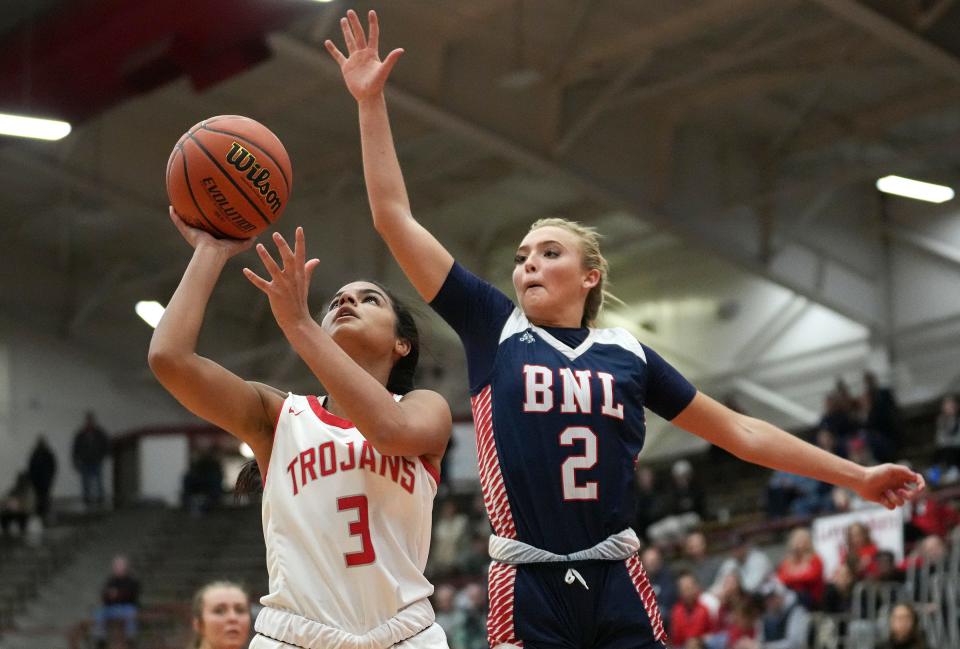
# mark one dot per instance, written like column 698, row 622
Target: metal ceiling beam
column 776, row 401
column 723, row 63
column 932, row 247
column 675, row 29
column 420, row 109
column 772, row 330
column 895, row 35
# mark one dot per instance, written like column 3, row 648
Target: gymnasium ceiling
column 726, row 148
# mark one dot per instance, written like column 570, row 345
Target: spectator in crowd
column 203, row 482
column 471, row 633
column 450, row 533
column 838, row 419
column 703, row 567
column 90, row 447
column 684, row 507
column 689, row 618
column 785, row 623
column 905, row 631
column 887, row 569
column 663, row 581
column 932, row 551
column 930, row 516
column 477, row 516
column 651, row 503
column 742, row 631
column 475, row 560
column 881, row 419
column 728, row 598
column 221, row 616
column 858, row 451
column 860, row 551
column 838, row 595
column 797, row 495
column 752, row 566
column 801, row 569
column 42, row 469
column 121, row 601
column 448, row 616
column 947, row 455
column 17, row 505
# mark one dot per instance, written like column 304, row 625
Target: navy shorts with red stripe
column 533, row 606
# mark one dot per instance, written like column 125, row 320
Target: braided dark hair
column 400, row 381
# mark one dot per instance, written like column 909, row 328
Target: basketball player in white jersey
column 349, row 478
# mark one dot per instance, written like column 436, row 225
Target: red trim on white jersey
column 500, row 623
column 639, row 578
column 491, row 480
column 432, row 470
column 326, row 416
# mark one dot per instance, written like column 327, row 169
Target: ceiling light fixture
column 41, row 129
column 915, row 189
column 150, row 311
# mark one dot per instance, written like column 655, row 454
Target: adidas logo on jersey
column 527, row 337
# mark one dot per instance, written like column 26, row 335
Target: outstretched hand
column 197, row 237
column 363, row 71
column 891, row 485
column 289, row 283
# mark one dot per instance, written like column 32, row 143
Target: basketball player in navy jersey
column 350, row 478
column 558, row 407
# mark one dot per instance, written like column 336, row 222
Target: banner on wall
column 830, row 533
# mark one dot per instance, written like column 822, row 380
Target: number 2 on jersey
column 359, row 527
column 588, row 460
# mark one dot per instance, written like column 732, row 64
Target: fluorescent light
column 150, row 310
column 915, row 189
column 246, row 451
column 41, row 129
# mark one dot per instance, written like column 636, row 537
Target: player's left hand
column 891, row 485
column 363, row 71
column 289, row 283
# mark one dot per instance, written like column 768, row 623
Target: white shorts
column 432, row 637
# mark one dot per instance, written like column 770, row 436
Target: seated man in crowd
column 121, row 601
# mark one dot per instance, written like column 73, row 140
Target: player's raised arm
column 205, row 388
column 424, row 260
column 418, row 424
column 762, row 443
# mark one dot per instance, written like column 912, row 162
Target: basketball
column 229, row 175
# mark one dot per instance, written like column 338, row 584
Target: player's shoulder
column 621, row 338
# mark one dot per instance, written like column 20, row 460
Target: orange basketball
column 230, row 176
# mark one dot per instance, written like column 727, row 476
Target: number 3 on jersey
column 571, row 490
column 359, row 527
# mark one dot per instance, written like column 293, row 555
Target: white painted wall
column 163, row 461
column 46, row 386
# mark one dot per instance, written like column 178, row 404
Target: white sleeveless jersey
column 347, row 529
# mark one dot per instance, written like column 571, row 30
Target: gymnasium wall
column 46, row 386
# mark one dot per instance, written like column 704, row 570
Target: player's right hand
column 363, row 71
column 197, row 237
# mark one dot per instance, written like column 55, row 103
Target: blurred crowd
column 716, row 588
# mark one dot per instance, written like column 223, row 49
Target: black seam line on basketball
column 186, row 178
column 251, row 143
column 232, row 181
column 220, row 118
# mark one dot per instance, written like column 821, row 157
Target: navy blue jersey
column 559, row 416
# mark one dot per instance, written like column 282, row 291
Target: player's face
column 361, row 312
column 549, row 277
column 225, row 619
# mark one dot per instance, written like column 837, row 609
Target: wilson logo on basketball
column 242, row 160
